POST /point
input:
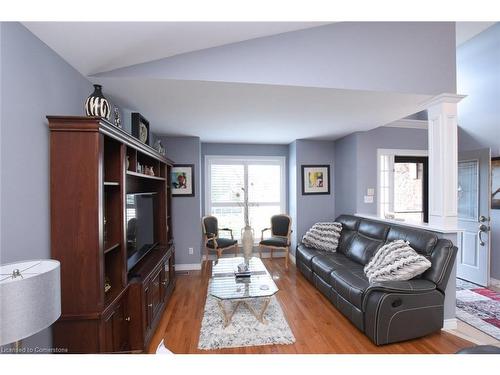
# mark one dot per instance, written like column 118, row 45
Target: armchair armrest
column 262, row 233
column 228, row 230
column 414, row 286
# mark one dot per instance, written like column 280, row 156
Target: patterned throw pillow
column 396, row 261
column 323, row 236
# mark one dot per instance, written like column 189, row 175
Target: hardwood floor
column 318, row 327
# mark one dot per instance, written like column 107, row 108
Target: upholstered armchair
column 212, row 240
column 281, row 229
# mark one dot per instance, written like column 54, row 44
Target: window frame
column 245, row 160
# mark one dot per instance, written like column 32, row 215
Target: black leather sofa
column 388, row 311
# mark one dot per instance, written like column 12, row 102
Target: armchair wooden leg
column 271, row 252
column 219, row 253
column 236, row 251
column 286, row 257
column 260, row 252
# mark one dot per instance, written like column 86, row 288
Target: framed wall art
column 182, row 180
column 315, row 179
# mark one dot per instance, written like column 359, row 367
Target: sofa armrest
column 410, row 286
column 403, row 287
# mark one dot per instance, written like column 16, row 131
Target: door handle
column 482, row 229
column 483, row 219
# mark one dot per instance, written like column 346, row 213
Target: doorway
column 403, row 185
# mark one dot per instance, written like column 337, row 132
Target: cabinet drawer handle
column 127, row 318
column 150, row 305
column 164, row 283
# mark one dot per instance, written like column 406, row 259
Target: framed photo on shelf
column 140, row 128
column 495, row 183
column 182, row 180
column 315, row 179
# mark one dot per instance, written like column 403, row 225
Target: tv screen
column 140, row 226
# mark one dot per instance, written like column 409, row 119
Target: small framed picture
column 182, row 180
column 315, row 179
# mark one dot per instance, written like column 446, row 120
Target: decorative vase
column 247, row 243
column 97, row 104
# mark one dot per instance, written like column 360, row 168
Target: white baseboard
column 450, row 324
column 188, row 267
column 494, row 282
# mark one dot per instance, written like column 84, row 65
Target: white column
column 443, row 159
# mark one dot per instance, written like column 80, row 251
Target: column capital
column 444, row 98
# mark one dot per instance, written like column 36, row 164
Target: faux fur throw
column 396, row 261
column 323, row 236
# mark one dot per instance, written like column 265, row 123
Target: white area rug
column 245, row 329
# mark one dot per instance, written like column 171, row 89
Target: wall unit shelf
column 142, row 175
column 105, row 307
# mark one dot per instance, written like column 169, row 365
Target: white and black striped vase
column 97, row 104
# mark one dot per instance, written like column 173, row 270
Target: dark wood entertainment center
column 93, row 165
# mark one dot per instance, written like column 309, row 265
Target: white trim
column 408, row 124
column 265, row 255
column 413, row 224
column 450, row 324
column 292, row 258
column 494, row 282
column 188, row 267
column 442, row 98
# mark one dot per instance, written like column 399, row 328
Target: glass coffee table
column 230, row 291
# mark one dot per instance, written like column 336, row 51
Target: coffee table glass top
column 225, row 286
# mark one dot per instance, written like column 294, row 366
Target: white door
column 474, row 215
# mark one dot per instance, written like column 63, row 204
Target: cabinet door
column 165, row 278
column 156, row 281
column 116, row 337
column 148, row 308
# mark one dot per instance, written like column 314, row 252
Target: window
column 403, row 186
column 262, row 177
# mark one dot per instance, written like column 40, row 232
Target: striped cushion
column 396, row 261
column 323, row 236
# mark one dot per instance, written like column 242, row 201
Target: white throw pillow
column 396, row 261
column 323, row 236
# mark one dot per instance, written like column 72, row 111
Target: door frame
column 393, row 152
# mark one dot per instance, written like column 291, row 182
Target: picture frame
column 182, row 180
column 140, row 128
column 315, row 179
column 495, row 183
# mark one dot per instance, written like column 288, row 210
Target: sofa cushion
column 324, row 264
column 373, row 229
column 362, row 248
column 350, row 284
column 423, row 242
column 305, row 254
column 396, row 261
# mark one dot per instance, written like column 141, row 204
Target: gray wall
column 478, row 77
column 310, row 209
column 35, row 82
column 186, row 211
column 346, row 178
column 356, row 164
column 293, row 190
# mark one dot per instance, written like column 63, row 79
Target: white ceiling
column 252, row 113
column 93, row 47
column 468, row 30
column 220, row 111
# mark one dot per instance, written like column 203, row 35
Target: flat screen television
column 140, row 216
